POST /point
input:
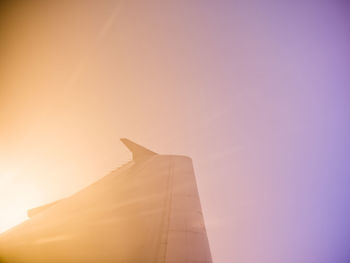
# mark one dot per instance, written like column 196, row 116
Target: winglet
column 138, row 152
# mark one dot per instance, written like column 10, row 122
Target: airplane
column 148, row 210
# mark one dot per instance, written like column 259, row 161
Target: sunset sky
column 256, row 93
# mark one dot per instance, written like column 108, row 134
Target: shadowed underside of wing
column 146, row 211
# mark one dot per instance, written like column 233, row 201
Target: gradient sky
column 256, row 93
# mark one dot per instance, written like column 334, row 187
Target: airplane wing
column 146, row 211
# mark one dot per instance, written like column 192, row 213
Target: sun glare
column 11, row 218
column 16, row 199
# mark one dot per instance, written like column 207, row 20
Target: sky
column 256, row 93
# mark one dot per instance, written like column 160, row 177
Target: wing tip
column 138, row 152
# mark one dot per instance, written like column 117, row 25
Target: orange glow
column 21, row 196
